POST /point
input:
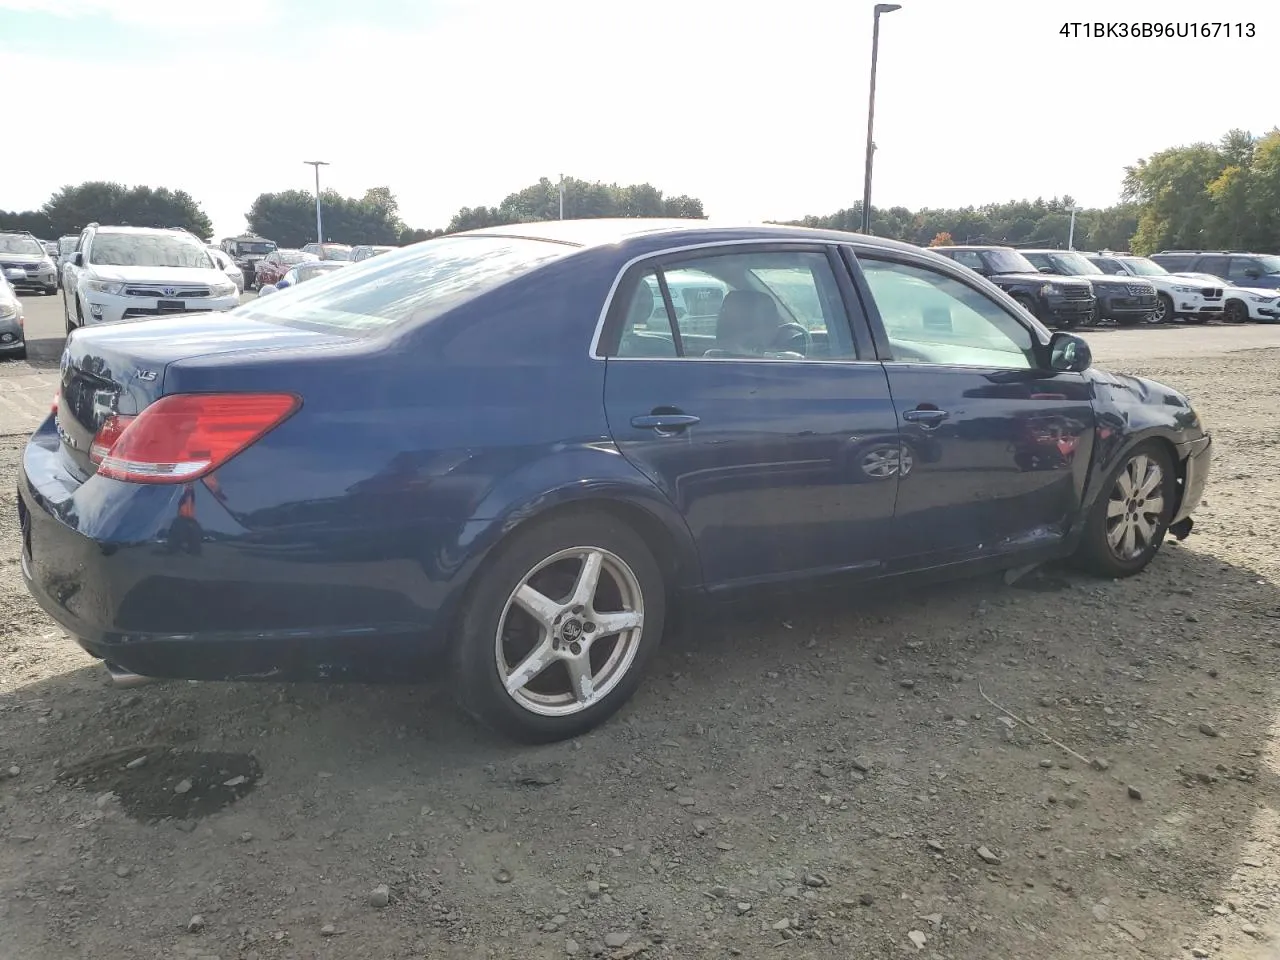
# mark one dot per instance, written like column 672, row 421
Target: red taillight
column 184, row 436
column 108, row 434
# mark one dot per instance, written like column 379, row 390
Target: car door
column 1001, row 446
column 757, row 408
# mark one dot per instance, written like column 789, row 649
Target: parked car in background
column 26, row 264
column 1242, row 304
column 1175, row 296
column 1246, row 270
column 364, row 252
column 248, row 250
column 309, row 271
column 122, row 273
column 328, row 251
column 486, row 453
column 277, row 263
column 1126, row 300
column 223, row 262
column 13, row 339
column 66, row 246
column 1058, row 303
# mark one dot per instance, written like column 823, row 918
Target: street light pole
column 871, row 111
column 319, row 225
column 1071, row 230
column 562, row 196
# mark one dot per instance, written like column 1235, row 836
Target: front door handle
column 928, row 418
column 665, row 424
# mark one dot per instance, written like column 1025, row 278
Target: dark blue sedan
column 516, row 447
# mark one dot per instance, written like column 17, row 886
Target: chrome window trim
column 593, row 352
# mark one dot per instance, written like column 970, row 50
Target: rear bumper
column 1196, row 455
column 165, row 595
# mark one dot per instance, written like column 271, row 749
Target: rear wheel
column 558, row 628
column 1128, row 522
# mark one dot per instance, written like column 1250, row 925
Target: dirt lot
column 816, row 783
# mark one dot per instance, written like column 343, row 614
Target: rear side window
column 1175, row 262
column 413, row 285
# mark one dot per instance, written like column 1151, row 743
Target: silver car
column 365, row 251
column 24, row 262
column 13, row 341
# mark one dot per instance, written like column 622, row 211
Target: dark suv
column 1058, row 303
column 1126, row 300
column 1238, row 269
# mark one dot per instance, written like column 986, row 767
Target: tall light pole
column 871, row 111
column 562, row 196
column 1071, row 230
column 319, row 226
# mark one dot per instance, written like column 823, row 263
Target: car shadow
column 853, row 736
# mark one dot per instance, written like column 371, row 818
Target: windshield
column 413, row 285
column 15, row 243
column 1269, row 264
column 1008, row 261
column 1145, row 268
column 1074, row 265
column 146, row 250
column 244, row 248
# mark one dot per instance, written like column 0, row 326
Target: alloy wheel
column 1135, row 508
column 570, row 631
column 887, row 461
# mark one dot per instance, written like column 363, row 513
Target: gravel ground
column 811, row 782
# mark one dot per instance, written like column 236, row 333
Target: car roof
column 974, row 246
column 606, row 232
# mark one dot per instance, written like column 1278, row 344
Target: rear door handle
column 929, row 418
column 665, row 424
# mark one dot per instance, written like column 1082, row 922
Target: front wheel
column 1235, row 312
column 558, row 628
column 1164, row 309
column 1128, row 522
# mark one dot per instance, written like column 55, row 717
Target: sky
column 758, row 110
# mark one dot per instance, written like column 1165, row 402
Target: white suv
column 121, row 273
column 1176, row 296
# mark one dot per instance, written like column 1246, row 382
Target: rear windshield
column 412, row 285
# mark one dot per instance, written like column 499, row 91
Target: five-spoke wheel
column 559, row 625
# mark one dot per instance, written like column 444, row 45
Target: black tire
column 50, row 291
column 1235, row 311
column 1028, row 304
column 480, row 689
column 1095, row 553
column 1163, row 312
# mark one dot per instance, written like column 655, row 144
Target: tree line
column 1200, row 196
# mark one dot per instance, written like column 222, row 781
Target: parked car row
column 1126, row 289
column 13, row 338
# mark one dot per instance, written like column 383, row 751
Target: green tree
column 583, row 200
column 72, row 208
column 289, row 217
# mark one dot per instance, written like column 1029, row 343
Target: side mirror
column 1069, row 354
column 78, row 258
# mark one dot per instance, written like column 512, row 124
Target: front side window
column 1249, row 268
column 758, row 305
column 932, row 318
column 968, row 258
column 1108, row 265
column 146, row 250
column 412, row 286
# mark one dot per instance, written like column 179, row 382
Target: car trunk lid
column 119, row 369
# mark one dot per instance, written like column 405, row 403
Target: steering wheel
column 792, row 337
